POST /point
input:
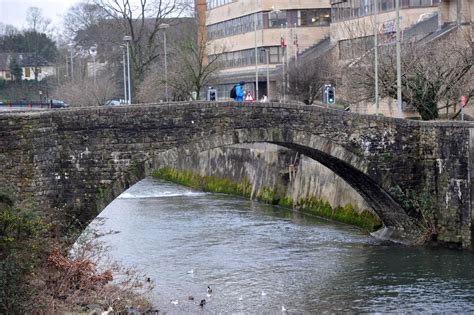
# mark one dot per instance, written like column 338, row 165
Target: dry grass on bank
column 87, row 279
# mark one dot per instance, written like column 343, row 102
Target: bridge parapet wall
column 82, row 158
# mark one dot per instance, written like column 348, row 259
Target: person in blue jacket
column 239, row 92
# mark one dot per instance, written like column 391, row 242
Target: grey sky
column 13, row 12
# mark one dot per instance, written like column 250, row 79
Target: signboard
column 211, row 94
column 249, row 97
column 388, row 27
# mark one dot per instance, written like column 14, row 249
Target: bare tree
column 434, row 75
column 83, row 16
column 193, row 65
column 307, row 77
column 86, row 92
column 142, row 22
column 36, row 21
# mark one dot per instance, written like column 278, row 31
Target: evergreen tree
column 15, row 69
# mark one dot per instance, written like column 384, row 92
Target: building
column 422, row 21
column 256, row 38
column 354, row 18
column 28, row 64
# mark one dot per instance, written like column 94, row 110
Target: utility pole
column 125, row 94
column 256, row 51
column 399, row 65
column 376, row 61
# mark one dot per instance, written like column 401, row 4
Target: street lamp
column 256, row 50
column 125, row 98
column 164, row 27
column 93, row 53
column 267, row 53
column 75, row 51
column 127, row 39
column 71, row 49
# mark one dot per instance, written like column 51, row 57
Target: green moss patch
column 347, row 214
column 204, row 183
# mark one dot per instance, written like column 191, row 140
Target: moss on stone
column 314, row 206
column 347, row 214
column 204, row 183
column 267, row 195
column 286, row 202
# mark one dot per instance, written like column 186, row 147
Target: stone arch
column 398, row 225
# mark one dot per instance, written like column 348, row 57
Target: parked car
column 113, row 103
column 58, row 104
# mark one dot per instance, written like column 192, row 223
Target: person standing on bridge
column 237, row 92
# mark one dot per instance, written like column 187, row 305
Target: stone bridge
column 415, row 175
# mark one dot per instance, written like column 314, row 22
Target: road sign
column 211, row 94
column 249, row 97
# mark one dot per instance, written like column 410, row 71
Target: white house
column 27, row 63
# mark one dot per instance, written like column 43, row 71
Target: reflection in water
column 242, row 248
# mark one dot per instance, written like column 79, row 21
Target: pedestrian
column 237, row 92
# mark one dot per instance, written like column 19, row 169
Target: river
column 262, row 259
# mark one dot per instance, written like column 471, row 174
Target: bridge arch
column 398, row 226
column 82, row 157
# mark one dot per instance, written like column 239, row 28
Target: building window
column 244, row 58
column 316, row 17
column 352, row 9
column 276, row 19
column 27, row 72
column 236, row 26
column 211, row 4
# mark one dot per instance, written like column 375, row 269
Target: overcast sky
column 13, row 12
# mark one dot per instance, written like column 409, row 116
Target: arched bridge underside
column 415, row 175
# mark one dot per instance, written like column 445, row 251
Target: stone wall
column 267, row 165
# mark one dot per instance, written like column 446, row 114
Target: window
column 27, row 72
column 356, row 8
column 275, row 54
column 211, row 4
column 276, row 19
column 236, row 26
column 316, row 17
column 243, row 58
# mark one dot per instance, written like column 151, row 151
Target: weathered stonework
column 268, row 166
column 81, row 159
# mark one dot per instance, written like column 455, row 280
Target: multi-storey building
column 353, row 24
column 254, row 38
column 354, row 18
column 244, row 29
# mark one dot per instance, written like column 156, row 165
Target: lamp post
column 75, row 51
column 127, row 39
column 376, row 55
column 164, row 27
column 93, row 53
column 267, row 52
column 256, row 51
column 125, row 98
column 399, row 67
column 71, row 49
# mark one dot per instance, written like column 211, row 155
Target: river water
column 259, row 259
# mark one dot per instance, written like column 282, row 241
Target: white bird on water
column 191, row 271
column 283, row 309
column 241, row 298
column 175, row 302
column 264, row 293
